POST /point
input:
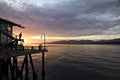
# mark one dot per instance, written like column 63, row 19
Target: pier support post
column 43, row 66
column 26, row 68
column 34, row 73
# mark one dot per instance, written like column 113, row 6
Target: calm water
column 80, row 62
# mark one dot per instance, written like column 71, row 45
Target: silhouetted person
column 40, row 47
column 32, row 47
column 20, row 35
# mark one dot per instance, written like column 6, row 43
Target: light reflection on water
column 80, row 62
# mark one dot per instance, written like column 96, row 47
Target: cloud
column 66, row 18
column 114, row 30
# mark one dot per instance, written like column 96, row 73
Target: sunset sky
column 64, row 19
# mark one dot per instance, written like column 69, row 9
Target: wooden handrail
column 10, row 36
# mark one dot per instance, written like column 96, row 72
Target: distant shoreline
column 85, row 43
column 113, row 41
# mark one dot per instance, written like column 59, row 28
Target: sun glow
column 92, row 37
column 35, row 40
column 32, row 40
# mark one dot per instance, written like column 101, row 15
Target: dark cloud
column 67, row 18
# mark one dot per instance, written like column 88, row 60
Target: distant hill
column 112, row 41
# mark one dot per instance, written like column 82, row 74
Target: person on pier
column 40, row 46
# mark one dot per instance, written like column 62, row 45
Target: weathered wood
column 18, row 53
column 4, row 21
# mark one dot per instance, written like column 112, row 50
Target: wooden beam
column 18, row 53
column 10, row 22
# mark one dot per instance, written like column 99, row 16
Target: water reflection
column 81, row 62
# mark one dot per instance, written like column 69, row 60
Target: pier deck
column 14, row 53
column 11, row 47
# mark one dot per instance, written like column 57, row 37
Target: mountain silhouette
column 112, row 41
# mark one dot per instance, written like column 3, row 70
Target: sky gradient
column 64, row 19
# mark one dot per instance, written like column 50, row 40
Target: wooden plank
column 19, row 53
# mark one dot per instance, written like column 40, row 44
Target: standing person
column 40, row 46
column 20, row 35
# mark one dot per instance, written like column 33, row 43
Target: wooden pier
column 14, row 53
column 10, row 50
